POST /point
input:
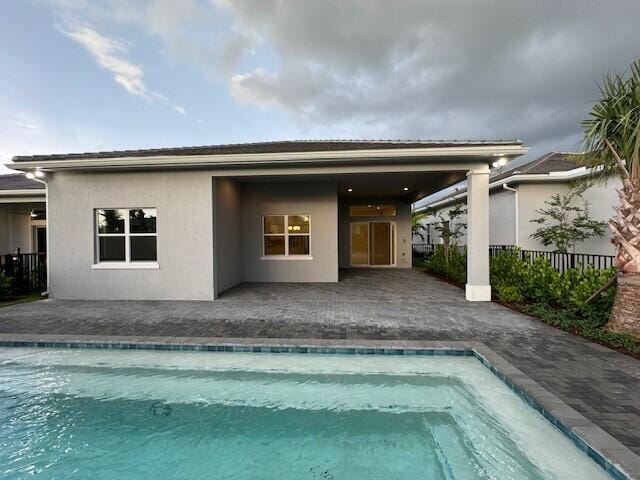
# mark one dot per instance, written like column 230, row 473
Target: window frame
column 127, row 235
column 286, row 235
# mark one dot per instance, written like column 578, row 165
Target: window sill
column 286, row 257
column 125, row 266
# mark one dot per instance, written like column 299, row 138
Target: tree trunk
column 625, row 316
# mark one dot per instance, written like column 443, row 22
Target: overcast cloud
column 373, row 68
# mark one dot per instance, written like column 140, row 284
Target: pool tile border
column 616, row 459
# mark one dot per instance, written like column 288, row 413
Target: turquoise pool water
column 142, row 414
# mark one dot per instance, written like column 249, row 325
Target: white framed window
column 286, row 236
column 126, row 236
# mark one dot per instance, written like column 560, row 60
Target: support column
column 478, row 288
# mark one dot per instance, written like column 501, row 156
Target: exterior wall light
column 501, row 162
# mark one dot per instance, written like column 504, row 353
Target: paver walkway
column 600, row 383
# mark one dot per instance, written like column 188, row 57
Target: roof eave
column 552, row 177
column 488, row 152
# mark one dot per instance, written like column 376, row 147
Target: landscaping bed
column 562, row 300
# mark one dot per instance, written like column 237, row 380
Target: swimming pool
column 72, row 413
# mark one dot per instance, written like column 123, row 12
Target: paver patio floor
column 601, row 384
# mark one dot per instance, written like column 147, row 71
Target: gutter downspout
column 46, row 207
column 516, row 220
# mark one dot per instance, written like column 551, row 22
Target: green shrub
column 508, row 293
column 581, row 285
column 454, row 269
column 542, row 282
column 5, row 286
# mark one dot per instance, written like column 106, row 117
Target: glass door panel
column 360, row 243
column 380, row 243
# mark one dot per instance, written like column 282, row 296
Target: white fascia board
column 22, row 196
column 565, row 176
column 269, row 159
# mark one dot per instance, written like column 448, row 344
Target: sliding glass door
column 373, row 243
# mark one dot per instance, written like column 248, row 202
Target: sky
column 87, row 75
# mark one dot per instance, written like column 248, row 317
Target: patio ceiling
column 361, row 185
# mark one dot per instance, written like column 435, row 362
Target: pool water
column 107, row 414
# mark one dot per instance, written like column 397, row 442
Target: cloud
column 26, row 125
column 435, row 68
column 410, row 69
column 110, row 55
column 180, row 109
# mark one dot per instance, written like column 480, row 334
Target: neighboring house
column 517, row 193
column 190, row 223
column 23, row 223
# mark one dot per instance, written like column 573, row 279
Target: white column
column 478, row 288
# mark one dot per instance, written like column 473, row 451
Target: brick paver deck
column 600, row 383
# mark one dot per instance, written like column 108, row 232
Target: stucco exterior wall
column 602, row 200
column 184, row 225
column 317, row 199
column 531, row 196
column 502, row 218
column 227, row 243
column 403, row 229
column 16, row 227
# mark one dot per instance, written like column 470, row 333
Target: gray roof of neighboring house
column 548, row 163
column 551, row 162
column 273, row 147
column 19, row 182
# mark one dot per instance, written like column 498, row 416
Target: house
column 190, row 223
column 23, row 221
column 515, row 195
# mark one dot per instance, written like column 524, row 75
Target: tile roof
column 550, row 162
column 18, row 182
column 273, row 147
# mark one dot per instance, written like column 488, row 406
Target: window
column 372, row 210
column 126, row 235
column 286, row 235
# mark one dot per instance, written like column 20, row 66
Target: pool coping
column 617, row 460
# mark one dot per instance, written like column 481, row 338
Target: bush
column 535, row 287
column 581, row 285
column 508, row 293
column 455, row 269
column 5, row 286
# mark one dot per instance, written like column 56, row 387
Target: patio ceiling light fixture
column 349, row 189
column 30, row 175
column 406, row 189
column 39, row 174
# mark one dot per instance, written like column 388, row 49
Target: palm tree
column 612, row 143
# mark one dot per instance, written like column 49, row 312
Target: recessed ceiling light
column 39, row 173
column 406, row 189
column 30, row 175
column 349, row 189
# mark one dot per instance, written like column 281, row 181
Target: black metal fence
column 422, row 251
column 28, row 271
column 559, row 261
